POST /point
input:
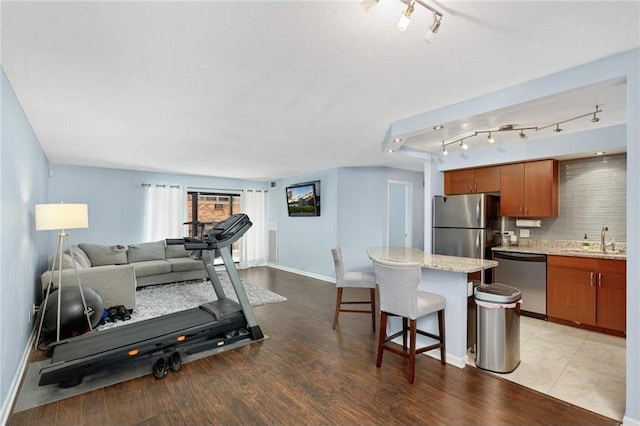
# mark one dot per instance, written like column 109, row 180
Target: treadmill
column 211, row 325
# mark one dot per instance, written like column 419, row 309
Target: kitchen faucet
column 603, row 244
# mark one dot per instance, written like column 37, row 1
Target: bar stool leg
column 338, row 303
column 443, row 350
column 382, row 337
column 412, row 350
column 373, row 309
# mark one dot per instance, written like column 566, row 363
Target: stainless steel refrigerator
column 466, row 225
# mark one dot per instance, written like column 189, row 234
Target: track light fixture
column 515, row 128
column 433, row 29
column 405, row 19
column 368, row 4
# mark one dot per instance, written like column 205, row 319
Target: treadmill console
column 223, row 234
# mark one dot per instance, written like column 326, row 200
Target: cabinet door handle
column 475, row 187
column 599, row 279
column 591, row 279
column 520, row 209
column 470, row 187
column 526, row 210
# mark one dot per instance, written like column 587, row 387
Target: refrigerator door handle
column 478, row 206
column 478, row 246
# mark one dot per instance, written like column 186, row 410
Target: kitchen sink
column 594, row 251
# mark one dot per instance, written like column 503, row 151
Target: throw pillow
column 100, row 255
column 79, row 256
column 67, row 263
column 146, row 251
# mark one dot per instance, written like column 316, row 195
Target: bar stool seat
column 399, row 296
column 353, row 280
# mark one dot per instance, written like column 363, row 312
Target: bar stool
column 353, row 280
column 399, row 296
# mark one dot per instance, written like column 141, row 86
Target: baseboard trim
column 299, row 272
column 8, row 402
column 628, row 421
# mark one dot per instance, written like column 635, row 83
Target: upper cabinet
column 469, row 181
column 529, row 189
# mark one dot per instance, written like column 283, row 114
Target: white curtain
column 253, row 250
column 165, row 211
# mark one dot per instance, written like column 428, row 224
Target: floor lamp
column 61, row 217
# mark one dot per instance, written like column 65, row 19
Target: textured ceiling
column 264, row 90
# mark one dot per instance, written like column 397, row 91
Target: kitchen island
column 446, row 276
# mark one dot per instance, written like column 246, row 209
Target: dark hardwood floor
column 307, row 373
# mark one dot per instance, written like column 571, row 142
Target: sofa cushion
column 80, row 256
column 146, row 251
column 183, row 264
column 176, row 250
column 151, row 267
column 100, row 255
column 67, row 263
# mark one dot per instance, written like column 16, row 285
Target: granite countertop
column 566, row 248
column 430, row 261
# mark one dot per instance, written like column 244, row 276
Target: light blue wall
column 623, row 65
column 23, row 251
column 116, row 198
column 353, row 216
column 362, row 211
column 304, row 243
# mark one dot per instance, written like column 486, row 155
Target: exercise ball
column 73, row 321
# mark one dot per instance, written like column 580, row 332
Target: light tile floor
column 581, row 367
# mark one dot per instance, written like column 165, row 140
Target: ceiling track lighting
column 520, row 130
column 405, row 19
column 444, row 149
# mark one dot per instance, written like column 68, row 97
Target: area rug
column 157, row 300
column 151, row 302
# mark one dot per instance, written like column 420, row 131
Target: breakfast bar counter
column 446, row 276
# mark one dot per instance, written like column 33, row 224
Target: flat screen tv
column 303, row 199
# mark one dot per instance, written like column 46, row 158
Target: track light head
column 405, row 19
column 368, row 4
column 444, row 149
column 490, row 138
column 433, row 29
column 463, row 145
column 522, row 135
column 557, row 129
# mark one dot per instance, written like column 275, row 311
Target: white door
column 399, row 227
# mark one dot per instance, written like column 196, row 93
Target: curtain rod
column 224, row 189
column 158, row 185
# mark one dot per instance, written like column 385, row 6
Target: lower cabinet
column 587, row 291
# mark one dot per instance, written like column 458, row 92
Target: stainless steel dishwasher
column 528, row 273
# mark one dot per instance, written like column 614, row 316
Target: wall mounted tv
column 303, row 199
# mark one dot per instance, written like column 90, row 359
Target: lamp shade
column 61, row 216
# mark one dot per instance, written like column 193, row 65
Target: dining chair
column 399, row 296
column 353, row 280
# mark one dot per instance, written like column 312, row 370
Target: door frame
column 408, row 210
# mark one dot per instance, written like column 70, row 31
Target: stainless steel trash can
column 498, row 327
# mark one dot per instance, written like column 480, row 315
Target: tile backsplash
column 592, row 193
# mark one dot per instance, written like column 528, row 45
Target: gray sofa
column 116, row 271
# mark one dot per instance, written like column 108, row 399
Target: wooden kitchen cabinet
column 529, row 189
column 469, row 181
column 587, row 291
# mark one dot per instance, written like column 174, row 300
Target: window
column 211, row 207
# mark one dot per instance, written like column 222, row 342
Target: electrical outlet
column 524, row 233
